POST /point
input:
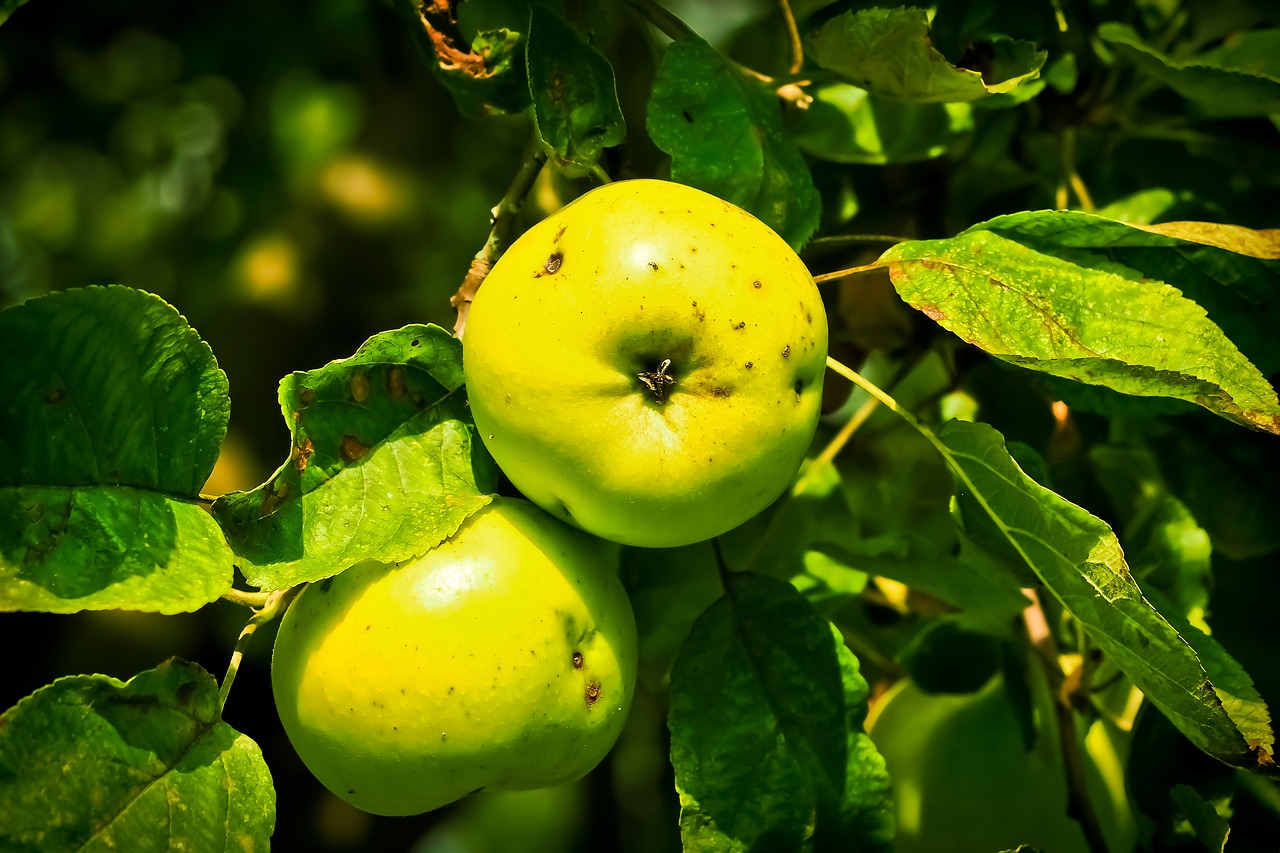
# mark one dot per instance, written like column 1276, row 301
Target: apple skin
column 504, row 659
column 609, row 287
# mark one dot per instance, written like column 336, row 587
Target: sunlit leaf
column 385, row 464
column 1078, row 559
column 114, row 413
column 723, row 130
column 575, row 102
column 95, row 764
column 766, row 719
column 1028, row 289
column 889, row 53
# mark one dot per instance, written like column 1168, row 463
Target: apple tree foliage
column 1063, row 418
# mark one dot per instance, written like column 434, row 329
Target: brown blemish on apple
column 653, row 265
column 786, row 351
column 757, row 285
column 577, row 660
column 748, row 365
column 559, row 234
column 592, row 694
column 737, row 327
column 553, row 263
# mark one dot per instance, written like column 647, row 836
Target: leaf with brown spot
column 384, row 466
column 1101, row 302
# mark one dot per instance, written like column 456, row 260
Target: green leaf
column 845, row 124
column 889, row 53
column 1079, row 560
column 724, row 133
column 8, row 7
column 668, row 588
column 766, row 717
column 385, row 464
column 1210, row 828
column 63, row 550
column 1040, row 290
column 1234, row 80
column 1167, row 549
column 575, row 99
column 92, row 763
column 115, row 413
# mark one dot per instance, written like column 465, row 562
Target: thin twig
column 1069, row 170
column 667, row 22
column 275, row 604
column 836, row 240
column 503, row 220
column 832, row 276
column 1079, row 805
column 793, row 34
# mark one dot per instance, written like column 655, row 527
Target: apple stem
column 658, row 381
column 503, row 223
column 274, row 604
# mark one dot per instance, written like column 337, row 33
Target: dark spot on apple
column 324, row 585
column 721, row 392
column 786, row 351
column 577, row 660
column 477, row 790
column 808, row 317
column 748, row 365
column 559, row 234
column 653, row 265
column 506, row 398
column 592, row 694
column 55, row 396
column 553, row 263
column 757, row 285
column 737, row 327
column 799, row 388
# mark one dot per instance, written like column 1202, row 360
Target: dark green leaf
column 575, row 100
column 1078, row 558
column 63, row 550
column 1226, row 82
column 1167, row 549
column 724, row 133
column 1160, row 760
column 767, row 712
column 889, row 53
column 1210, row 828
column 847, row 125
column 668, row 588
column 1029, row 289
column 385, row 464
column 92, row 763
column 115, row 412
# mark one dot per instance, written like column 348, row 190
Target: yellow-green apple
column 647, row 363
column 505, row 658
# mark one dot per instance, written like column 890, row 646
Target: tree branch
column 503, row 220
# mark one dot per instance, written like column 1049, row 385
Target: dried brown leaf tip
column 441, row 24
